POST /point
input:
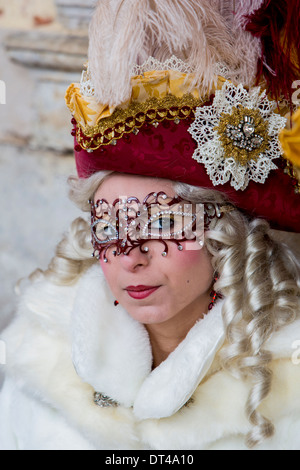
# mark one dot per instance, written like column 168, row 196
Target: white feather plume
column 201, row 32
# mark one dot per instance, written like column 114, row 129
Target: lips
column 141, row 292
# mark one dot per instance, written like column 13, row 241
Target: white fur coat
column 68, row 342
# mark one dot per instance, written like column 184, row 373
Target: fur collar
column 54, row 326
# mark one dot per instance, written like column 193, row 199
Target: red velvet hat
column 199, row 121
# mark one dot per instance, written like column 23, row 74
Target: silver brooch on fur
column 104, row 401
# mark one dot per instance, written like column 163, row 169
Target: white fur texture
column 44, row 398
column 172, row 384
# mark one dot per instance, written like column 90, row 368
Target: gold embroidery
column 130, row 119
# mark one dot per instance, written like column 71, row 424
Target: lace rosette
column 238, row 136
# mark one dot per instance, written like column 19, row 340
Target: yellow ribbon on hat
column 290, row 141
column 152, row 85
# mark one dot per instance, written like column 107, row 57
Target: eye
column 103, row 231
column 166, row 224
column 169, row 224
column 163, row 224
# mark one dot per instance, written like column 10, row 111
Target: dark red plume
column 277, row 24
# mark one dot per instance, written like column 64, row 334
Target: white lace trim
column 151, row 64
column 210, row 150
column 87, row 88
column 173, row 63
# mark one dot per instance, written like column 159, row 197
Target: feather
column 111, row 48
column 248, row 46
column 244, row 8
column 126, row 32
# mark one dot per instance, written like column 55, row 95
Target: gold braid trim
column 131, row 119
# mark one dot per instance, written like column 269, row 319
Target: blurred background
column 43, row 49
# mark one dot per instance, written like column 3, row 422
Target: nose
column 136, row 259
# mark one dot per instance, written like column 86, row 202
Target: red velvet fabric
column 166, row 152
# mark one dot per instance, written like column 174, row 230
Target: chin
column 149, row 315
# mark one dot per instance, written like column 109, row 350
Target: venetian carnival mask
column 129, row 223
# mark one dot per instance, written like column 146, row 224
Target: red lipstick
column 141, row 292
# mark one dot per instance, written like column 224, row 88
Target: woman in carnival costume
column 180, row 331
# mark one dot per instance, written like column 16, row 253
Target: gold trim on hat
column 131, row 119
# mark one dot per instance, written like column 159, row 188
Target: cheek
column 190, row 257
column 109, row 271
column 193, row 266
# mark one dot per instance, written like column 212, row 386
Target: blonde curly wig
column 258, row 276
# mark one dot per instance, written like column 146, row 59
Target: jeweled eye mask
column 128, row 223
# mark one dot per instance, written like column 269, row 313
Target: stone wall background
column 43, row 46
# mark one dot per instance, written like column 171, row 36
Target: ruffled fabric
column 152, row 84
column 85, row 110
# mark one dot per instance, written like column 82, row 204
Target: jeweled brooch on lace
column 237, row 136
column 244, row 134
